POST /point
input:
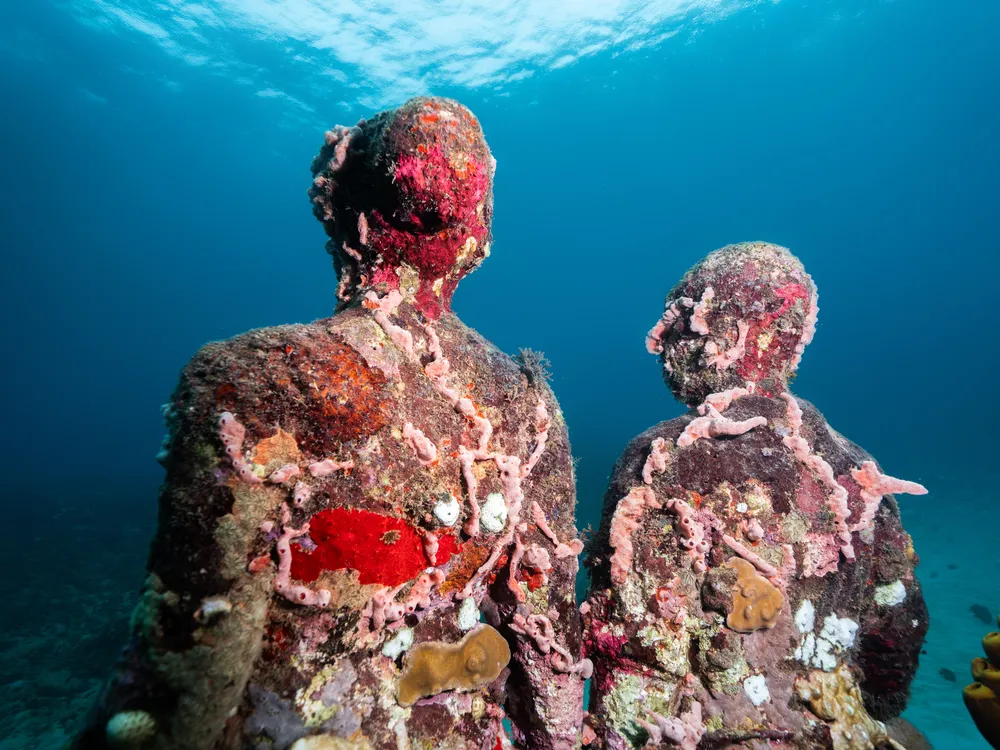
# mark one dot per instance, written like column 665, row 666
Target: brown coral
column 311, row 383
column 472, row 663
column 277, row 450
column 756, row 602
column 836, row 698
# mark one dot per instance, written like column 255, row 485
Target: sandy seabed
column 957, row 574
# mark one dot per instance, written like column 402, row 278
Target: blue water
column 155, row 166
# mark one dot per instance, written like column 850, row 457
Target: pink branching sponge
column 539, row 629
column 670, row 320
column 382, row 609
column 671, row 317
column 510, row 467
column 808, row 329
column 437, row 371
column 571, row 549
column 328, row 466
column 385, row 306
column 422, row 445
column 420, row 593
column 837, row 495
column 232, row 433
column 624, row 523
column 693, row 537
column 282, row 581
column 515, row 562
column 542, row 425
column 536, row 558
column 714, row 425
column 283, row 474
column 431, row 544
column 657, row 460
column 722, row 360
column 685, row 731
column 467, row 459
column 698, row 323
column 467, row 409
column 439, row 367
column 510, row 481
column 875, row 484
column 722, row 400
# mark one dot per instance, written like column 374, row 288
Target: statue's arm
column 545, row 688
column 196, row 630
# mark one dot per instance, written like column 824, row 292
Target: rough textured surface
column 780, row 499
column 300, row 531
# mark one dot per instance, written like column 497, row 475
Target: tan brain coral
column 470, row 664
column 756, row 602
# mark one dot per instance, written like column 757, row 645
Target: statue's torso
column 753, row 635
column 237, row 658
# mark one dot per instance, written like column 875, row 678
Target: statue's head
column 407, row 200
column 743, row 314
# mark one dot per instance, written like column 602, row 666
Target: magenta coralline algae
column 750, row 509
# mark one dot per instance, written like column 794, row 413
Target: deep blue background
column 140, row 221
column 137, row 229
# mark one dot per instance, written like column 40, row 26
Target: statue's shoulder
column 495, row 375
column 321, row 381
column 627, row 472
column 841, row 453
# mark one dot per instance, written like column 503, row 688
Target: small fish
column 948, row 674
column 982, row 613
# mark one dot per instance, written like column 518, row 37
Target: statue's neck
column 429, row 298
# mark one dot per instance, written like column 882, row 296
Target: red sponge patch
column 382, row 549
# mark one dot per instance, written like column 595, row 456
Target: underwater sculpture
column 346, row 499
column 752, row 585
column 982, row 697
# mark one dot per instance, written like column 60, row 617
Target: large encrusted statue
column 751, row 580
column 366, row 533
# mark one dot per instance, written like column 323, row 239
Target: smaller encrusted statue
column 751, row 580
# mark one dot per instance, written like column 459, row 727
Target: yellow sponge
column 982, row 697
